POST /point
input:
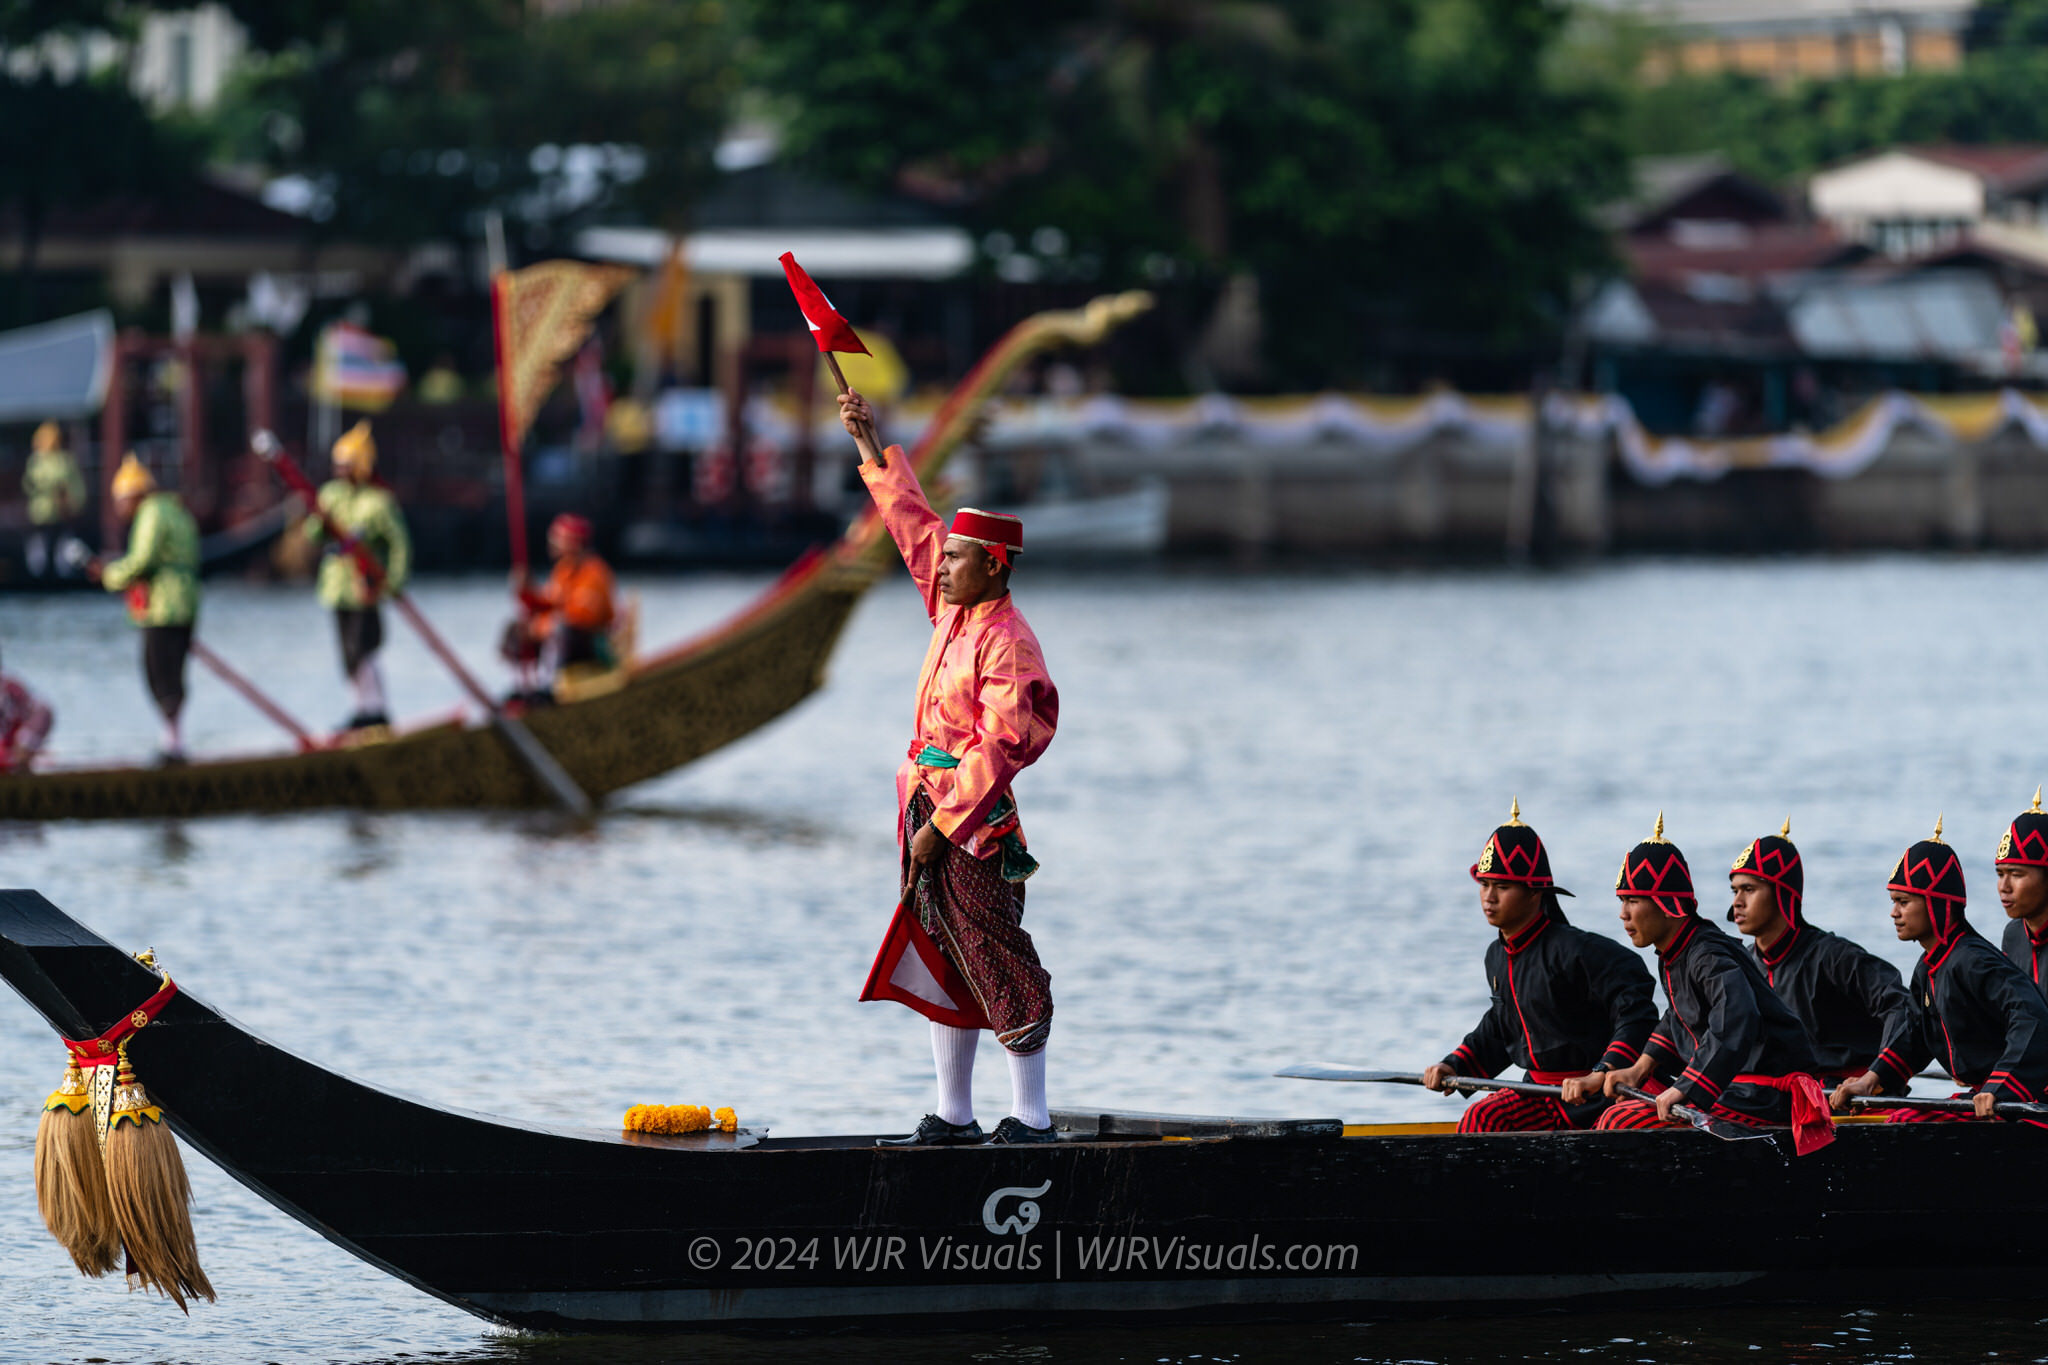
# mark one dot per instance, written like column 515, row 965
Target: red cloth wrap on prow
column 105, row 1049
column 1813, row 1127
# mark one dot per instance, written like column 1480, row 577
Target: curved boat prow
column 403, row 1184
column 76, row 980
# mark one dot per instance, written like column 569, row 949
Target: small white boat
column 1124, row 525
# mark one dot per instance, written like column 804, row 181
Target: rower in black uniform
column 1567, row 1004
column 2023, row 892
column 1969, row 1006
column 1848, row 997
column 1727, row 1045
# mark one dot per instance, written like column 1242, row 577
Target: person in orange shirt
column 571, row 613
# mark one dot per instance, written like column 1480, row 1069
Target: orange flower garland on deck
column 672, row 1119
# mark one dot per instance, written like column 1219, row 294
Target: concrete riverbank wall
column 1446, row 476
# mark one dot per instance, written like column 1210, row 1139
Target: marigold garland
column 670, row 1119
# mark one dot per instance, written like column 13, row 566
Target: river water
column 1255, row 827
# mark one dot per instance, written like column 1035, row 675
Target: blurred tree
column 1789, row 130
column 70, row 137
column 1387, row 173
column 407, row 120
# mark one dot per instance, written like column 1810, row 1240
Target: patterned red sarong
column 1934, row 1115
column 974, row 919
column 1505, row 1111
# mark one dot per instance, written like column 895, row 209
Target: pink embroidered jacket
column 984, row 695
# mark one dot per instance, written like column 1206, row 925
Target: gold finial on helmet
column 133, row 479
column 2037, row 801
column 1515, row 812
column 1657, row 834
column 1937, row 829
column 355, row 448
column 1785, row 830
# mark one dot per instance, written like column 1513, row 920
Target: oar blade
column 1330, row 1071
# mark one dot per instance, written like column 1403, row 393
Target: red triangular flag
column 828, row 329
column 911, row 970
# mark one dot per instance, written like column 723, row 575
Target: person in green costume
column 56, row 495
column 160, row 575
column 364, row 510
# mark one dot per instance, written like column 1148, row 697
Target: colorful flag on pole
column 353, row 369
column 542, row 315
column 831, row 331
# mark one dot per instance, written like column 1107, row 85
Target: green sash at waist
column 1017, row 864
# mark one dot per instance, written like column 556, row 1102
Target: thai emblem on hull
column 1021, row 1220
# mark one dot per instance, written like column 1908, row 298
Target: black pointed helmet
column 1514, row 853
column 1656, row 869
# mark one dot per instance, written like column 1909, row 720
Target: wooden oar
column 1948, row 1106
column 1700, row 1119
column 1332, row 1072
column 253, row 696
column 1706, row 1123
column 538, row 761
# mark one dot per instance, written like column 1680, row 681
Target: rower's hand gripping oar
column 530, row 752
column 2014, row 1108
column 1699, row 1118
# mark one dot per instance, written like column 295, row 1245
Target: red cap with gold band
column 999, row 532
column 570, row 527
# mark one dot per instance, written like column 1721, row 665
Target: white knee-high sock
column 953, row 1052
column 1027, row 1088
column 369, row 688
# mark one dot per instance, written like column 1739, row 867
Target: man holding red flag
column 986, row 709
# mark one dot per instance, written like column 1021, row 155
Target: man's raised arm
column 918, row 531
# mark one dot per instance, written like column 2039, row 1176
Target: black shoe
column 1014, row 1132
column 934, row 1131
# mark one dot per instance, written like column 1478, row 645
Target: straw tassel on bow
column 108, row 1172
column 71, row 1185
column 147, row 1186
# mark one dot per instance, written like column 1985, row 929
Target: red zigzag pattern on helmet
column 1903, row 876
column 2031, row 847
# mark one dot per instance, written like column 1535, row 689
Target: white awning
column 56, row 369
column 926, row 253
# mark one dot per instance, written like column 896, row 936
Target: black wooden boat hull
column 599, row 1230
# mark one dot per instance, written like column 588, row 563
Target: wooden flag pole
column 508, row 440
column 871, row 440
